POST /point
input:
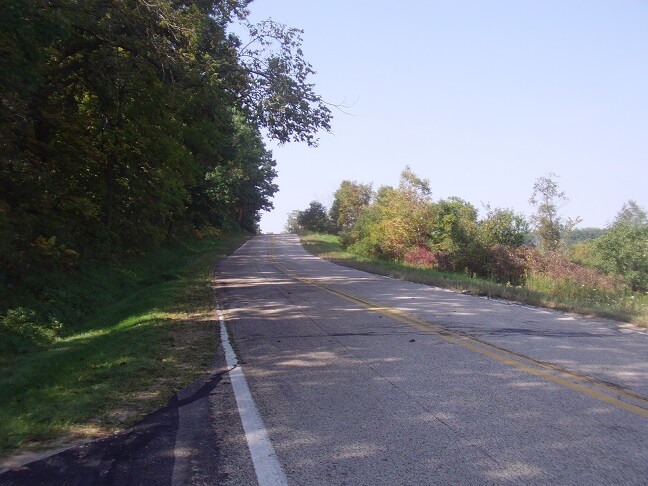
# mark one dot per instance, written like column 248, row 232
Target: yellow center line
column 588, row 386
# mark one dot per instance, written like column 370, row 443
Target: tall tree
column 292, row 224
column 454, row 224
column 503, row 227
column 242, row 186
column 550, row 226
column 314, row 218
column 349, row 201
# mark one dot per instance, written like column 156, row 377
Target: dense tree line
column 404, row 223
column 123, row 122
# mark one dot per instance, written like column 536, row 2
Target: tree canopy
column 314, row 218
column 124, row 122
column 349, row 201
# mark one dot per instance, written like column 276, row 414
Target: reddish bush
column 393, row 249
column 507, row 265
column 420, row 257
column 557, row 267
column 423, row 257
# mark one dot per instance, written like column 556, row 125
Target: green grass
column 539, row 292
column 146, row 328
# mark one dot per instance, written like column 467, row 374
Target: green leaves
column 125, row 123
column 314, row 218
column 241, row 186
column 278, row 95
column 623, row 249
column 349, row 201
column 504, row 227
column 551, row 228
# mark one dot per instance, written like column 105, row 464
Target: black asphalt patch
column 142, row 455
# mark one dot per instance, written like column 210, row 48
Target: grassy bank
column 537, row 291
column 132, row 334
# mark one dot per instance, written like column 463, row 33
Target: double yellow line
column 585, row 385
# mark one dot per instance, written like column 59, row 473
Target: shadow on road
column 143, row 454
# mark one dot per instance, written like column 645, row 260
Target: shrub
column 507, row 265
column 420, row 257
column 22, row 330
column 48, row 254
column 472, row 258
column 556, row 266
column 423, row 257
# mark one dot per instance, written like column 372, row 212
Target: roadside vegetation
column 403, row 232
column 125, row 124
column 132, row 334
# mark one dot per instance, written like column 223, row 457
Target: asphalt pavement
column 362, row 379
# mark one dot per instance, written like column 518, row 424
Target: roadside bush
column 48, row 254
column 365, row 247
column 507, row 265
column 516, row 266
column 21, row 330
column 472, row 259
column 346, row 238
column 395, row 238
column 622, row 250
column 551, row 273
column 556, row 266
column 421, row 257
column 207, row 231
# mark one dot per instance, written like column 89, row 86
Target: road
column 331, row 376
column 361, row 379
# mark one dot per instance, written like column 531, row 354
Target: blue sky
column 480, row 97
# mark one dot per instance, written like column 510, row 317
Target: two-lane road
column 361, row 379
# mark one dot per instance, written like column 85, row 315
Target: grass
column 542, row 292
column 146, row 329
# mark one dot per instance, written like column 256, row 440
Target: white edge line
column 264, row 458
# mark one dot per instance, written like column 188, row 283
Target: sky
column 480, row 97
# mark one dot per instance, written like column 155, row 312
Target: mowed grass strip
column 631, row 308
column 126, row 360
